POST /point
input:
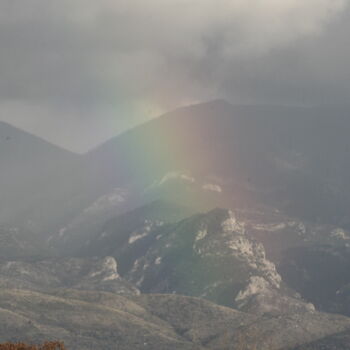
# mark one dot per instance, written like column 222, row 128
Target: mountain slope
column 94, row 235
column 243, row 258
column 338, row 341
column 229, row 156
column 206, row 255
column 90, row 320
column 274, row 155
column 75, row 273
column 35, row 175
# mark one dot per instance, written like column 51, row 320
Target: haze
column 97, row 68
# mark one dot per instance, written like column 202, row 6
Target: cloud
column 186, row 28
column 115, row 63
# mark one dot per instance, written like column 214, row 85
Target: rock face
column 77, row 273
column 207, row 255
column 259, row 298
column 245, row 258
column 312, row 259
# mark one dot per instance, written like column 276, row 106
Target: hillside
column 36, row 177
column 274, row 155
column 90, row 320
column 239, row 206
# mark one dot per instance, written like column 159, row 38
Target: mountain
column 205, row 255
column 292, row 158
column 36, row 177
column 152, row 203
column 80, row 235
column 242, row 258
column 208, row 155
column 320, row 273
column 125, row 231
column 66, row 300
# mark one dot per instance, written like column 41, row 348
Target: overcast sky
column 77, row 72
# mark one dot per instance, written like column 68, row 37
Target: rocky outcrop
column 78, row 273
column 207, row 255
column 259, row 297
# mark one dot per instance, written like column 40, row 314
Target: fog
column 98, row 68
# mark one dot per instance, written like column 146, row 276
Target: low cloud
column 103, row 66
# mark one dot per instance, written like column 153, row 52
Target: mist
column 99, row 69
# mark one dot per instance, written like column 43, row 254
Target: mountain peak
column 27, row 141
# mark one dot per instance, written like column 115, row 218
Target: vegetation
column 22, row 346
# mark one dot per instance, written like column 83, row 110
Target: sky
column 77, row 72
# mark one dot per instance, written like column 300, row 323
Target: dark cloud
column 94, row 68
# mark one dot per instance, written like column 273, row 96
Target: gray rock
column 78, row 273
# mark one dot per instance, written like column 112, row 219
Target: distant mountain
column 24, row 151
column 35, row 178
column 293, row 158
column 208, row 155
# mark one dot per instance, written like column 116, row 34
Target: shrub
column 22, row 346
